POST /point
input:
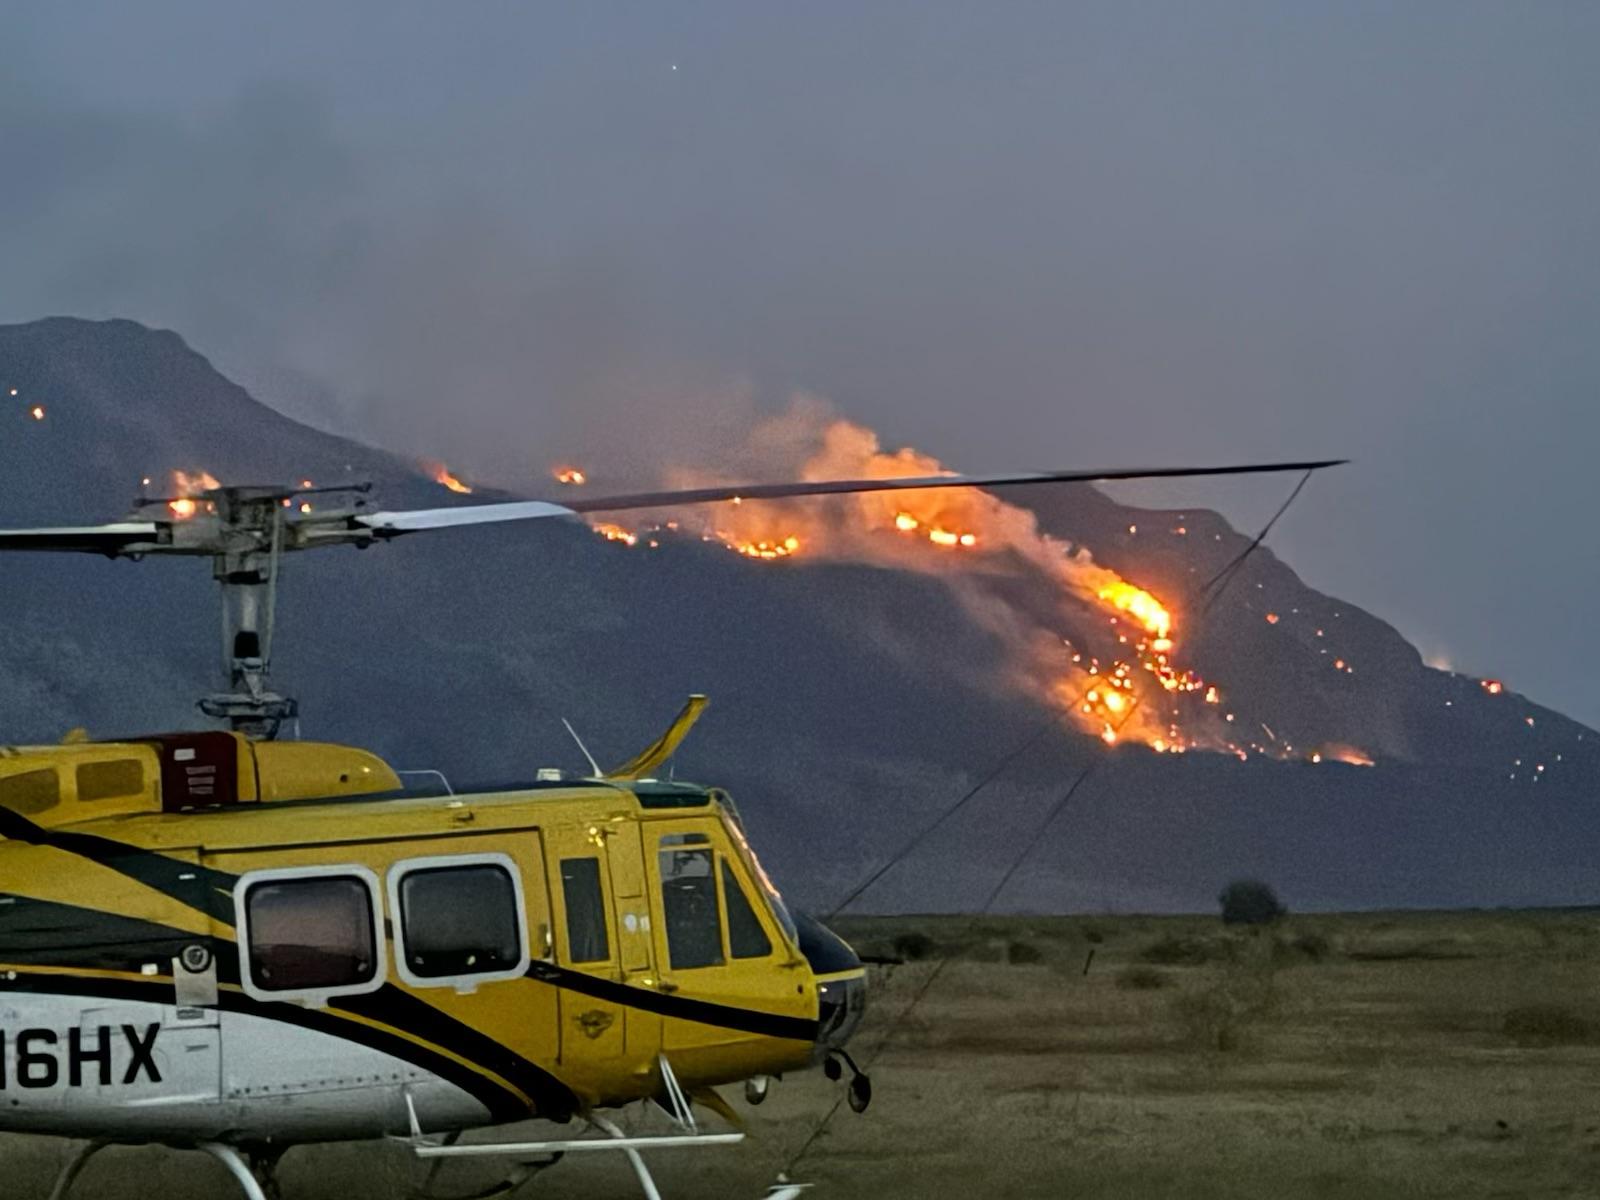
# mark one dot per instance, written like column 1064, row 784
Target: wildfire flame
column 1339, row 752
column 441, row 476
column 185, row 484
column 571, row 476
column 1120, row 678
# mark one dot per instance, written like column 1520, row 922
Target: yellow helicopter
column 222, row 941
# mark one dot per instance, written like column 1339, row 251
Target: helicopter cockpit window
column 31, row 792
column 689, row 902
column 746, row 938
column 586, row 910
column 312, row 934
column 114, row 780
column 460, row 921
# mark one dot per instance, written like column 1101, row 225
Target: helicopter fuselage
column 194, row 949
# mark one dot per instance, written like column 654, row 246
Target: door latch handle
column 666, row 985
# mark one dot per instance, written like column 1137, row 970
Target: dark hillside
column 849, row 702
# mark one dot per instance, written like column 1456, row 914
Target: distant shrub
column 1547, row 1025
column 1175, row 951
column 1249, row 902
column 914, row 947
column 1310, row 947
column 1141, row 979
column 1093, row 936
column 1023, row 953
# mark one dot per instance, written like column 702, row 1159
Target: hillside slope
column 851, row 701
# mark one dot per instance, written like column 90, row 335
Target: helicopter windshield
column 774, row 898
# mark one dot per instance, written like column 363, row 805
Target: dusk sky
column 1026, row 236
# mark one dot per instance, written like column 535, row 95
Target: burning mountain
column 1100, row 647
column 870, row 659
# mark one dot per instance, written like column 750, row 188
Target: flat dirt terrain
column 1398, row 1054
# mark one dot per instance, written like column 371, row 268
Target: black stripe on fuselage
column 202, row 888
column 684, row 1008
column 45, row 934
column 502, row 1103
column 38, row 932
column 48, row 933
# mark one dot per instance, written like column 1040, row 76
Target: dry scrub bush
column 1303, row 947
column 1174, row 950
column 914, row 947
column 1018, row 953
column 1141, row 979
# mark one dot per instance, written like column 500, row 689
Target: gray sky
column 1013, row 235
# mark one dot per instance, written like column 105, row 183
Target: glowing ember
column 37, row 412
column 906, row 523
column 441, row 476
column 571, row 476
column 186, row 484
column 1349, row 755
column 1272, row 618
column 616, row 533
column 1493, row 686
column 783, row 549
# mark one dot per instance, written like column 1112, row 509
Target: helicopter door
column 714, row 944
column 595, row 870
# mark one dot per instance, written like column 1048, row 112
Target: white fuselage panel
column 134, row 1070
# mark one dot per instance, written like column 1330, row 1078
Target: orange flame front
column 1121, row 678
column 441, row 475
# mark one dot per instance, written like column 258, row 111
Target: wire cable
column 1216, row 586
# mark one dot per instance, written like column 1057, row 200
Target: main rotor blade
column 835, row 487
column 97, row 539
column 138, row 537
column 412, row 520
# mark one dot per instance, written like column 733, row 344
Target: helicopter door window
column 312, row 932
column 586, row 910
column 746, row 938
column 460, row 920
column 31, row 792
column 689, row 903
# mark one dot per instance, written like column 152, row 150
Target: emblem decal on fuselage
column 41, row 1057
column 594, row 1022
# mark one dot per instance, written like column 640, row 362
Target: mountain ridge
column 852, row 701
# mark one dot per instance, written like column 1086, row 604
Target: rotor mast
column 251, row 529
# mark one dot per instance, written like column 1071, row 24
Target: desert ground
column 1373, row 1055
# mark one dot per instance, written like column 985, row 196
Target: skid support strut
column 256, row 1178
column 75, row 1164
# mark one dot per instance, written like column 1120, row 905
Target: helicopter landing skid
column 255, row 1178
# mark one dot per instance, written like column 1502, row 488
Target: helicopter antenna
column 593, row 766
